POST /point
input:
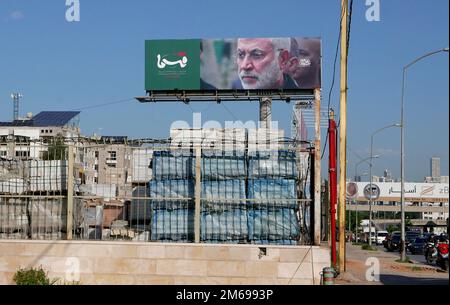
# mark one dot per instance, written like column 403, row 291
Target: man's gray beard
column 266, row 80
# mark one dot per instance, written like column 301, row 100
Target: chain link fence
column 154, row 191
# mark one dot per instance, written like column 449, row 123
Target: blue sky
column 59, row 65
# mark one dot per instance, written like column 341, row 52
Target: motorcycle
column 442, row 256
column 431, row 252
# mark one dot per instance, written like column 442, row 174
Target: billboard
column 288, row 63
column 390, row 191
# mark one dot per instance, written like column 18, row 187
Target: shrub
column 32, row 276
column 368, row 247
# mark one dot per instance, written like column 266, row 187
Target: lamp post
column 370, row 177
column 402, row 150
column 356, row 175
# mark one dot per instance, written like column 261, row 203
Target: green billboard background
column 172, row 64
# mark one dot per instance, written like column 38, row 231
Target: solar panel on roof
column 54, row 118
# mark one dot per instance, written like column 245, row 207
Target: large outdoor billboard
column 225, row 64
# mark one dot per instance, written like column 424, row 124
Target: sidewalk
column 391, row 272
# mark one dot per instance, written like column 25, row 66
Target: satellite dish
column 30, row 115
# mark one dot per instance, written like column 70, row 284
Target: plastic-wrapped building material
column 278, row 164
column 141, row 160
column 48, row 175
column 106, row 191
column 221, row 167
column 13, row 215
column 13, row 186
column 273, row 224
column 223, row 194
column 170, row 189
column 172, row 165
column 48, row 215
column 224, row 226
column 273, row 192
column 174, row 225
column 228, row 140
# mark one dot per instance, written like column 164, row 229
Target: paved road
column 417, row 258
column 391, row 272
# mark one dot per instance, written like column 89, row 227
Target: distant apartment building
column 435, row 169
column 21, row 138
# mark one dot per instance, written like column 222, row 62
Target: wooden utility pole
column 343, row 136
column 317, row 169
column 198, row 191
column 70, row 190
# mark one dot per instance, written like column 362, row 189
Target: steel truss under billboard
column 232, row 69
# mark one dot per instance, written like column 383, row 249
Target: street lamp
column 402, row 151
column 370, row 177
column 356, row 175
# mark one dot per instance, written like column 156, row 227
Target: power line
column 333, row 80
column 105, row 104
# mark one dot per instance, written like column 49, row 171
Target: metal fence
column 145, row 190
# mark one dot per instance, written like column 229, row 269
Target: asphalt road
column 392, row 272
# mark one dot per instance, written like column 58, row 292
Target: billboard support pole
column 265, row 112
column 317, row 179
column 343, row 136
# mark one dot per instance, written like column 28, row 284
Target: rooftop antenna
column 16, row 98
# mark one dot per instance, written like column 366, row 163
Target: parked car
column 381, row 236
column 393, row 242
column 417, row 246
column 410, row 236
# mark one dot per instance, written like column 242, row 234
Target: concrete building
column 435, row 169
column 20, row 138
column 106, row 162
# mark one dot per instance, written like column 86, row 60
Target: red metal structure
column 333, row 185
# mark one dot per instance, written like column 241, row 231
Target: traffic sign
column 371, row 191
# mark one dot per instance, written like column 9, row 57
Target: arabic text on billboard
column 240, row 64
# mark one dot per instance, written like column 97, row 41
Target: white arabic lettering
column 162, row 63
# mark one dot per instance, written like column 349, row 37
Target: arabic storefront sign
column 391, row 190
column 239, row 64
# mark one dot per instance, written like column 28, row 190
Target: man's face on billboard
column 258, row 65
column 307, row 60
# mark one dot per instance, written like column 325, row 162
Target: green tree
column 56, row 150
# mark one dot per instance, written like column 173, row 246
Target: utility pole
column 333, row 185
column 343, row 136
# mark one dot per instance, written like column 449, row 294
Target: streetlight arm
column 424, row 56
column 402, row 150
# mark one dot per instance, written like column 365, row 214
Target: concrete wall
column 162, row 263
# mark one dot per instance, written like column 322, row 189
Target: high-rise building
column 435, row 168
column 388, row 176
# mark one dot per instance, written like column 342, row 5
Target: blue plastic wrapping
column 224, row 226
column 281, row 164
column 273, row 192
column 273, row 224
column 172, row 165
column 175, row 225
column 220, row 167
column 223, row 194
column 165, row 189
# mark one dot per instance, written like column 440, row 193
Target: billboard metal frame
column 187, row 96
